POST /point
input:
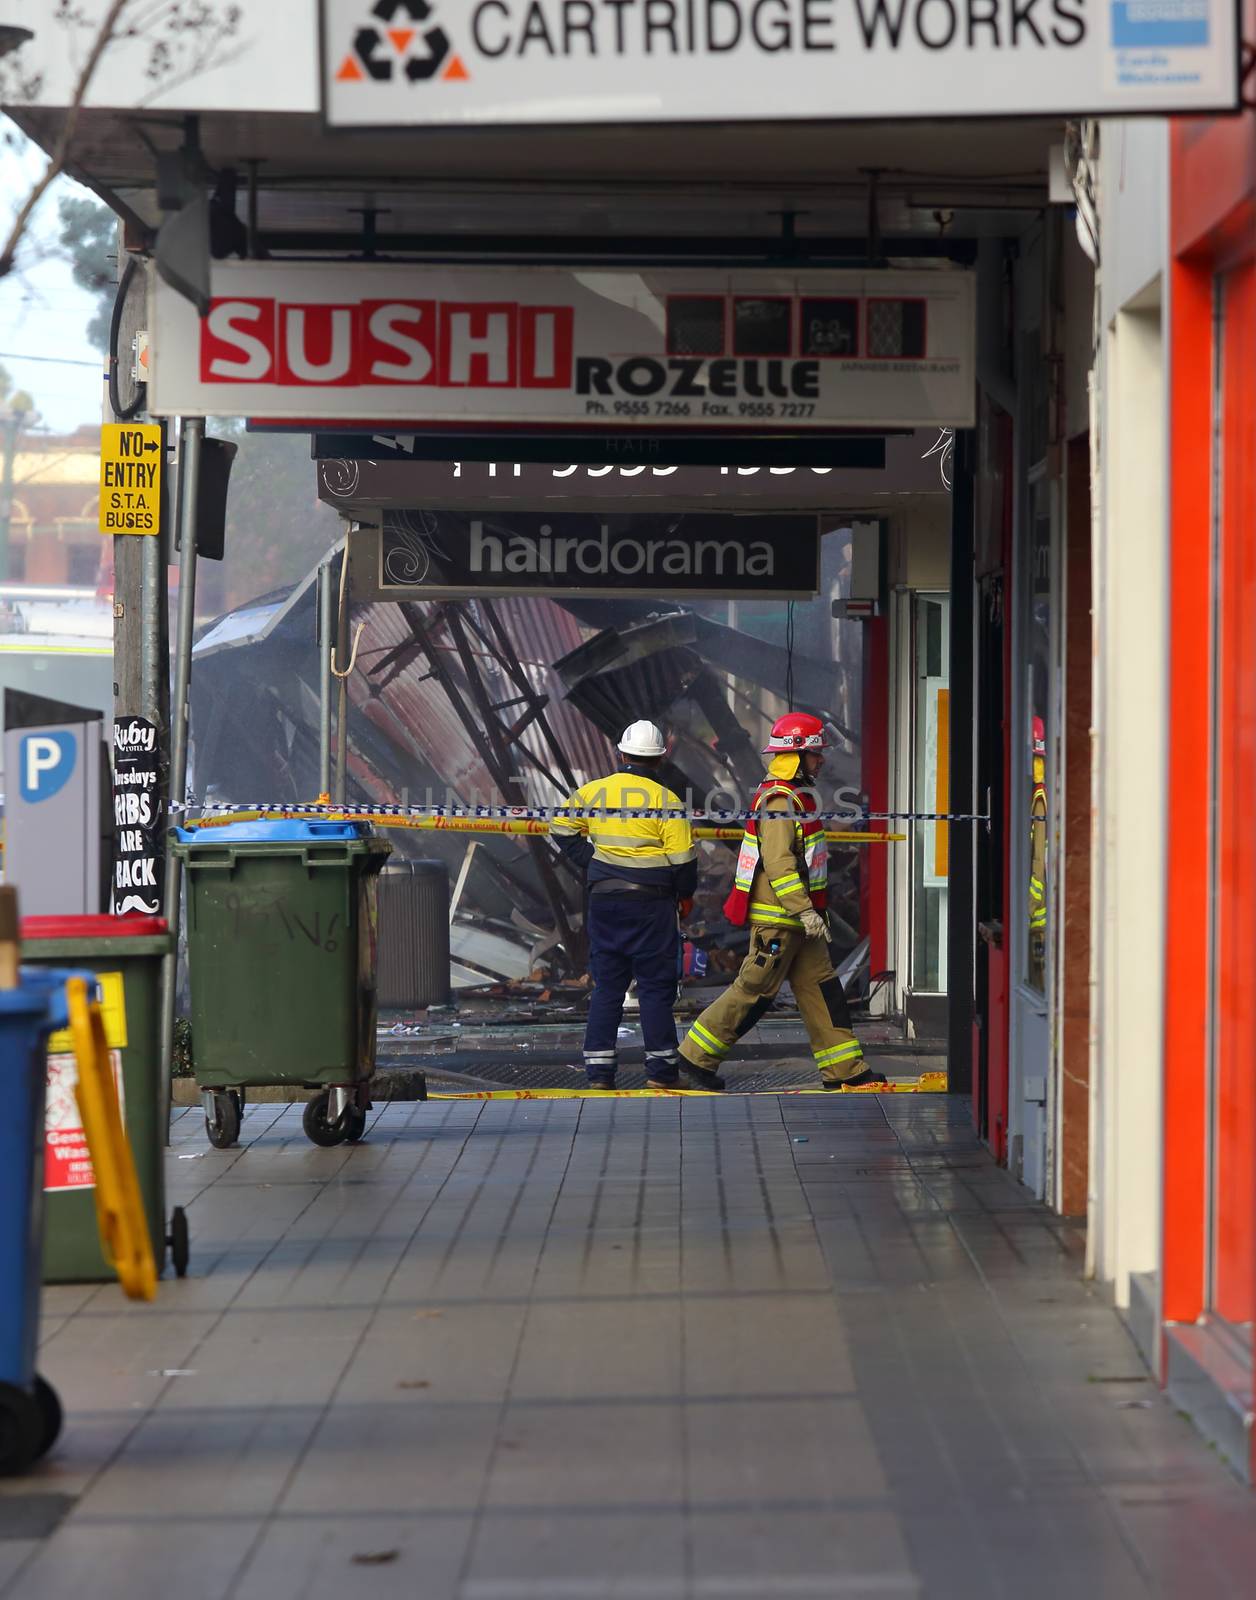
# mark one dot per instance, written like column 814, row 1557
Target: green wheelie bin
column 281, row 930
column 125, row 954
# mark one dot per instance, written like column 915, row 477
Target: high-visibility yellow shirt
column 647, row 849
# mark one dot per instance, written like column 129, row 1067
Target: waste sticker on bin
column 113, row 1009
column 67, row 1160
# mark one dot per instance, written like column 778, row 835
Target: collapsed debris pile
column 519, row 701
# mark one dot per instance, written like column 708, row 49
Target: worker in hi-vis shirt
column 641, row 870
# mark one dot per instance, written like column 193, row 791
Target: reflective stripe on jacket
column 783, row 863
column 655, row 850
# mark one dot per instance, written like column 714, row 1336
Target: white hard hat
column 643, row 739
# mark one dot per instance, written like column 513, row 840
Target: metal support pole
column 191, row 436
column 154, row 634
column 342, row 696
column 961, row 937
column 326, row 625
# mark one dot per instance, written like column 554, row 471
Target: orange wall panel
column 1186, row 904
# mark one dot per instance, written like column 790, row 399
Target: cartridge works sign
column 456, row 553
column 408, row 63
column 544, row 348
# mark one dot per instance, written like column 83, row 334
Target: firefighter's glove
column 813, row 925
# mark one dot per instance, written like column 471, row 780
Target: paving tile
column 385, row 1557
column 623, row 1350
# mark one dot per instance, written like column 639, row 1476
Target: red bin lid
column 131, row 927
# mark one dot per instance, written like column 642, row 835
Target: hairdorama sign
column 460, row 553
column 408, row 63
column 568, row 348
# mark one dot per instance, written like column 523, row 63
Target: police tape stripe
column 509, row 826
column 544, row 813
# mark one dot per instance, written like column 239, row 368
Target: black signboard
column 851, row 452
column 694, row 553
column 139, row 856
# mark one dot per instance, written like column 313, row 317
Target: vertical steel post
column 340, row 793
column 961, row 931
column 191, row 436
column 154, row 638
column 326, row 624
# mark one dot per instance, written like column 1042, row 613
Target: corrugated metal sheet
column 415, row 713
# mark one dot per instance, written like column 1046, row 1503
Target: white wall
column 1131, row 697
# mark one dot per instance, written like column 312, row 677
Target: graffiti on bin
column 246, row 907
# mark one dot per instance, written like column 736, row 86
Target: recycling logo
column 400, row 39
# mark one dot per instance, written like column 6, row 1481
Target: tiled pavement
column 639, row 1349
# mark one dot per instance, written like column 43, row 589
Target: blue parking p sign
column 45, row 763
column 53, row 818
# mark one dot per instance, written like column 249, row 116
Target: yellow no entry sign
column 131, row 461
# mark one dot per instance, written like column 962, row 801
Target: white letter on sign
column 42, row 755
column 337, row 364
column 221, row 323
column 383, row 324
column 494, row 344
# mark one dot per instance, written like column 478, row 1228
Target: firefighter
column 641, row 871
column 780, row 889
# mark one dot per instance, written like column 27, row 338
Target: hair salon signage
column 518, row 348
column 460, row 553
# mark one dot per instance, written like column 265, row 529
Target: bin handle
column 119, row 1208
column 222, row 859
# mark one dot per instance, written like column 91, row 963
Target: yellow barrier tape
column 927, row 1083
column 503, row 825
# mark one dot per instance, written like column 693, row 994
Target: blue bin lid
column 41, row 994
column 303, row 830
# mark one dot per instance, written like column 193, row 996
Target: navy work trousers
column 631, row 936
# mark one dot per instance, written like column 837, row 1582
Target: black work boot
column 701, row 1077
column 662, row 1072
column 858, row 1081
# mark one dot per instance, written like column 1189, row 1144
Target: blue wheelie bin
column 30, row 1413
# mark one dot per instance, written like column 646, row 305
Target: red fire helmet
column 1040, row 737
column 794, row 733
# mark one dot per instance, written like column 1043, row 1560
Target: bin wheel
column 319, row 1129
column 223, row 1125
column 51, row 1415
column 177, row 1241
column 354, row 1123
column 237, row 1100
column 22, row 1429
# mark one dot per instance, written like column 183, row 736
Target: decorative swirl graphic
column 341, row 478
column 944, row 448
column 411, row 543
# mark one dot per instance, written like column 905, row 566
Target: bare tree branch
column 56, row 161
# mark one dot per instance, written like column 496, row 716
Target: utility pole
column 141, row 655
column 11, row 425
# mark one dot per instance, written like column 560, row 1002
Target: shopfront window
column 1035, row 750
column 932, row 724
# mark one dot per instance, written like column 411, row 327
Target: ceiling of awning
column 617, row 181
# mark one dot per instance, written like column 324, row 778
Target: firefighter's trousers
column 777, row 954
